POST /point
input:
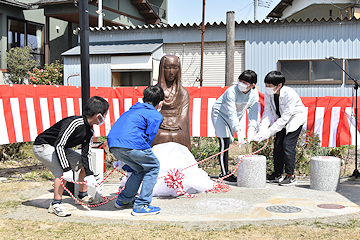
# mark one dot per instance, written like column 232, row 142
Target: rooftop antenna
column 261, row 3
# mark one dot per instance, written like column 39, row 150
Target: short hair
column 274, row 78
column 96, row 105
column 153, row 95
column 248, row 76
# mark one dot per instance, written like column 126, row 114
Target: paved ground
column 238, row 205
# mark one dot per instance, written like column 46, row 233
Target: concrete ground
column 273, row 202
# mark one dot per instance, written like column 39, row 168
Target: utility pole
column 101, row 15
column 230, row 46
column 202, row 44
column 84, row 51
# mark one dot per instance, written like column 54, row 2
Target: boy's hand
column 68, row 176
column 118, row 165
column 90, row 181
column 251, row 136
column 261, row 136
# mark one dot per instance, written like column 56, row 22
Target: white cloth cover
column 176, row 156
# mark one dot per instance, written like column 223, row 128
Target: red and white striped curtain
column 27, row 110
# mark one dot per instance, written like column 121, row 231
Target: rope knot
column 174, row 180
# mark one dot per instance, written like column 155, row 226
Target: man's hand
column 68, row 176
column 90, row 181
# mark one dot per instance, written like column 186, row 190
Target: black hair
column 248, row 76
column 96, row 105
column 153, row 95
column 275, row 78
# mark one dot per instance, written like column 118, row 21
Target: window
column 311, row 71
column 22, row 33
column 353, row 69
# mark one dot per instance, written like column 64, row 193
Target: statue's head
column 170, row 70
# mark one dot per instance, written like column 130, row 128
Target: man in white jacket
column 284, row 115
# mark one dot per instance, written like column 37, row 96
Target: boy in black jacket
column 53, row 149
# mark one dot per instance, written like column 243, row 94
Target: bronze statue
column 175, row 110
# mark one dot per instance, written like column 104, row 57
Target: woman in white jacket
column 284, row 115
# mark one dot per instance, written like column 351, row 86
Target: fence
column 27, row 110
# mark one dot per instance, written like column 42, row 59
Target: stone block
column 325, row 173
column 252, row 172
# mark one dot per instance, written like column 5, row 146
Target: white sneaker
column 89, row 200
column 59, row 209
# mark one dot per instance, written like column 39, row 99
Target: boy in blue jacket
column 130, row 141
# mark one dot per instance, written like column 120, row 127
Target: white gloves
column 90, row 181
column 118, row 165
column 262, row 135
column 68, row 176
column 251, row 136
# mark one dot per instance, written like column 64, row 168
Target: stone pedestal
column 98, row 166
column 252, row 172
column 325, row 173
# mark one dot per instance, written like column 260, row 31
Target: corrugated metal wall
column 214, row 62
column 266, row 44
column 100, row 70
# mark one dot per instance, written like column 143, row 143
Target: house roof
column 117, row 48
column 16, row 3
column 277, row 12
column 221, row 24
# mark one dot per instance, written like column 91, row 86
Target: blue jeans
column 146, row 170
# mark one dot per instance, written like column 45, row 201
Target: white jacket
column 292, row 110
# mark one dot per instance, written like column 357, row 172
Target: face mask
column 270, row 90
column 242, row 87
column 102, row 120
column 160, row 106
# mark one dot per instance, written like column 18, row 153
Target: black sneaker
column 288, row 181
column 230, row 179
column 274, row 178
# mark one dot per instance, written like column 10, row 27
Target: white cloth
column 174, row 155
column 292, row 110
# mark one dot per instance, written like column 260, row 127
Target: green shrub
column 13, row 151
column 19, row 61
column 51, row 74
column 307, row 146
column 202, row 148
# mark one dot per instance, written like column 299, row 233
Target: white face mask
column 102, row 120
column 270, row 90
column 242, row 87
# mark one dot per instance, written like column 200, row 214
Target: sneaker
column 145, row 210
column 89, row 200
column 274, row 178
column 288, row 181
column 121, row 205
column 59, row 209
column 232, row 180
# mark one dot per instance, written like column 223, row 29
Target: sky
column 190, row 11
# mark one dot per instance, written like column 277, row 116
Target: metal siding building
column 267, row 43
column 260, row 45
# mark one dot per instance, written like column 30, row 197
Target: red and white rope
column 174, row 179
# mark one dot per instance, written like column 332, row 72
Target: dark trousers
column 285, row 151
column 224, row 157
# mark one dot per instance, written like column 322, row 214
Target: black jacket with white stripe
column 67, row 133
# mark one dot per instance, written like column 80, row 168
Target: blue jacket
column 136, row 128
